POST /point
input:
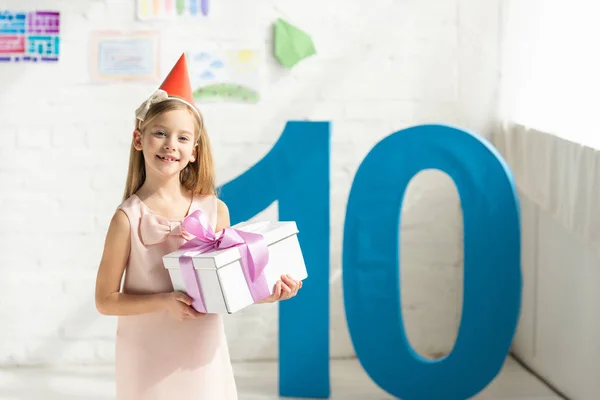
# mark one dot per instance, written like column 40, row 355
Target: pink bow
column 254, row 256
column 155, row 229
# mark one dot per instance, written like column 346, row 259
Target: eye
column 184, row 138
column 159, row 133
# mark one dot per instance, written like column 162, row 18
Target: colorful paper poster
column 29, row 36
column 162, row 9
column 118, row 56
column 292, row 45
column 225, row 75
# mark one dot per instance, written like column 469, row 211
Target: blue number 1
column 296, row 173
column 492, row 276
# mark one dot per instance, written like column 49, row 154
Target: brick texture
column 381, row 66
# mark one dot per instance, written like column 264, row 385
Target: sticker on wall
column 29, row 36
column 292, row 45
column 163, row 9
column 118, row 56
column 225, row 75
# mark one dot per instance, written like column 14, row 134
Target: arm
column 109, row 300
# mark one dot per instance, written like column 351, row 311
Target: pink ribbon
column 254, row 256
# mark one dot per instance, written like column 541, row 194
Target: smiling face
column 168, row 142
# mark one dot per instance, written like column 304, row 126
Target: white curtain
column 551, row 67
column 550, row 91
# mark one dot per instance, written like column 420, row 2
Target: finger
column 286, row 282
column 295, row 285
column 184, row 298
column 278, row 292
column 285, row 289
column 290, row 282
column 191, row 313
column 196, row 314
column 286, row 292
column 290, row 292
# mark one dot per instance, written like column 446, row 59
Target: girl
column 164, row 348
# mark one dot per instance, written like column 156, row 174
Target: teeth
column 166, row 159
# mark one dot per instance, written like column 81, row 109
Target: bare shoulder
column 119, row 224
column 118, row 235
column 114, row 258
column 221, row 206
column 222, row 215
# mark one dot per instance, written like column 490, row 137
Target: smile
column 167, row 159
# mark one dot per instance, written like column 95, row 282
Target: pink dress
column 157, row 356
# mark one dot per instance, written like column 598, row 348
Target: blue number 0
column 492, row 275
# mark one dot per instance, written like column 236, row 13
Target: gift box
column 227, row 271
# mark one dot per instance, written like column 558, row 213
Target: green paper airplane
column 291, row 44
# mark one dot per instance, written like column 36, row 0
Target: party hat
column 175, row 86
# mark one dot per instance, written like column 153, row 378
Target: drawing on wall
column 117, row 56
column 162, row 9
column 29, row 36
column 225, row 75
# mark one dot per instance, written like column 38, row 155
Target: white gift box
column 222, row 281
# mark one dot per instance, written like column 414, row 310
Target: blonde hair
column 197, row 176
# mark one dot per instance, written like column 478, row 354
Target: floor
column 255, row 382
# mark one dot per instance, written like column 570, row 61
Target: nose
column 168, row 145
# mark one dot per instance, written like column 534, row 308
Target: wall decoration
column 225, row 75
column 371, row 257
column 29, row 36
column 119, row 56
column 162, row 9
column 292, row 45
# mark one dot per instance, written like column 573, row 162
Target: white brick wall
column 381, row 66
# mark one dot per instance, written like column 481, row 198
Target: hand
column 179, row 305
column 285, row 289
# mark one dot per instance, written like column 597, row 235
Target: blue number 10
column 296, row 172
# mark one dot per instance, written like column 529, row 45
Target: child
column 164, row 348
